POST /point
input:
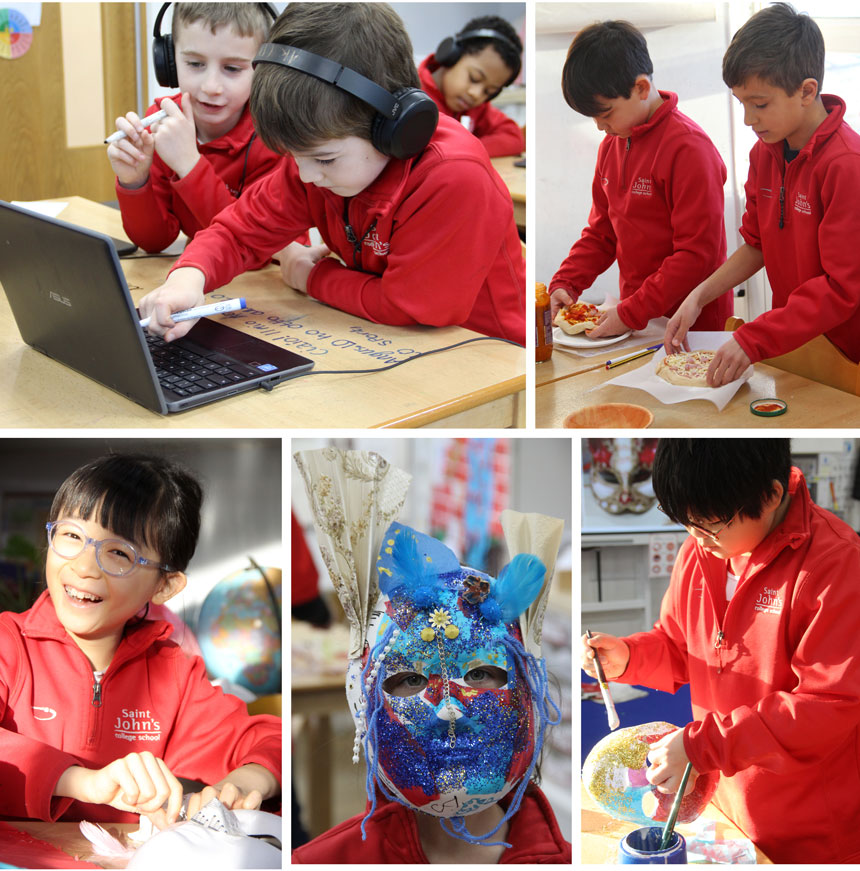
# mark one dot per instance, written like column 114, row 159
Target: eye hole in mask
column 410, row 683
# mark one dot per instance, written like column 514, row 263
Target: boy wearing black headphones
column 470, row 69
column 178, row 174
column 421, row 223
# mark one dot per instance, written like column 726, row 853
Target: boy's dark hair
column 248, row 19
column 714, row 479
column 511, row 55
column 295, row 111
column 604, row 60
column 145, row 499
column 779, row 46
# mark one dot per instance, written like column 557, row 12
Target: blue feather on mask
column 410, row 562
column 518, row 585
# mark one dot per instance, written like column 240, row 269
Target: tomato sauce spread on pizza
column 577, row 317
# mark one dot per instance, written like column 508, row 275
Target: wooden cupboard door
column 60, row 100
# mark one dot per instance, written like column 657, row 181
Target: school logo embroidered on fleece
column 802, row 204
column 136, row 726
column 642, row 187
column 379, row 248
column 769, row 602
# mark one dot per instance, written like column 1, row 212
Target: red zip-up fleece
column 657, row 208
column 153, row 697
column 435, row 239
column 498, row 132
column 392, row 838
column 804, row 218
column 154, row 215
column 774, row 680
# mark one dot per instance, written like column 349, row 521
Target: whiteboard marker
column 149, row 120
column 204, row 311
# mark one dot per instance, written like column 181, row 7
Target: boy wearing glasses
column 760, row 618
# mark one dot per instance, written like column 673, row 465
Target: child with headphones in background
column 421, row 223
column 469, row 70
column 176, row 175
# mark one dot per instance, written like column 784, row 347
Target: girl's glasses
column 710, row 533
column 114, row 556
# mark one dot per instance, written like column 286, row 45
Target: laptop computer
column 70, row 300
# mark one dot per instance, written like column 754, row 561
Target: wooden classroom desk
column 601, row 832
column 68, row 838
column 810, row 404
column 515, row 179
column 478, row 385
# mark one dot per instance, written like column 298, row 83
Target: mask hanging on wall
column 620, row 474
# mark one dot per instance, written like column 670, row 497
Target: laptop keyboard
column 187, row 370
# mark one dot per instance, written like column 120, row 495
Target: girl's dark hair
column 714, row 479
column 147, row 500
column 511, row 55
column 295, row 111
column 603, row 61
column 779, row 46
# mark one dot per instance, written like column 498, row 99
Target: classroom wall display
column 16, row 34
column 619, row 473
column 614, row 775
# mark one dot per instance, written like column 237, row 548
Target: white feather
column 104, row 843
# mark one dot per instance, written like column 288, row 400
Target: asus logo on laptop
column 57, row 298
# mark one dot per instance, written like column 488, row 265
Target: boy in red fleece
column 760, row 618
column 801, row 221
column 469, row 70
column 422, row 223
column 657, row 196
column 100, row 713
column 177, row 175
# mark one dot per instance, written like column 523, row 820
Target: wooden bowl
column 620, row 415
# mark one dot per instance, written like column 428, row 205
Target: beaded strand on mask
column 374, row 663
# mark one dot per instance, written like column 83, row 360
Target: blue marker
column 203, row 311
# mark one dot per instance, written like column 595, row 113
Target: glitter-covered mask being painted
column 451, row 719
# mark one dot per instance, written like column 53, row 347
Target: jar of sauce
column 543, row 324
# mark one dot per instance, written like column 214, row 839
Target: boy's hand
column 729, row 362
column 131, row 158
column 137, row 783
column 668, row 760
column 675, row 337
column 183, row 289
column 558, row 298
column 297, row 261
column 176, row 137
column 614, row 654
column 610, row 324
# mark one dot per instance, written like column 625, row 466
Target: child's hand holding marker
column 131, row 148
column 182, row 290
column 171, row 132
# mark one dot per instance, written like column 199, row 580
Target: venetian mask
column 614, row 775
column 621, row 474
column 443, row 695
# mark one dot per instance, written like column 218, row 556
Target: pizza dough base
column 572, row 329
column 673, row 377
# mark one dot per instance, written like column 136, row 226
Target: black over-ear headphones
column 163, row 57
column 451, row 48
column 405, row 120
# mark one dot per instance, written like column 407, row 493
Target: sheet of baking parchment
column 645, row 377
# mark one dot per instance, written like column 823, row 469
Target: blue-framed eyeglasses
column 114, row 556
